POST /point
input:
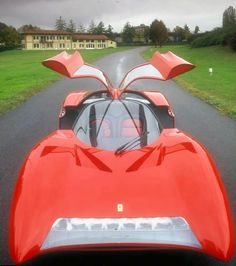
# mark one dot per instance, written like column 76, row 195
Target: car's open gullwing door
column 160, row 67
column 73, row 66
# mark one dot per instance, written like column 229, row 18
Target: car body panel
column 63, row 177
column 73, row 66
column 174, row 176
column 160, row 67
column 73, row 99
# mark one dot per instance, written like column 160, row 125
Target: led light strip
column 95, row 231
column 120, row 224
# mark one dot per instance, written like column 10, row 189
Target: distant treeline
column 226, row 35
column 220, row 36
column 9, row 37
column 157, row 33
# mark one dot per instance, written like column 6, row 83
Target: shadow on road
column 174, row 257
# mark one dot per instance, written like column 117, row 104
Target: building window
column 103, row 40
column 101, row 45
column 92, row 40
column 90, row 45
column 43, row 38
column 68, row 37
column 62, row 45
column 81, row 46
column 36, row 45
column 80, row 40
column 74, row 45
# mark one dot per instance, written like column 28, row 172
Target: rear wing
column 160, row 67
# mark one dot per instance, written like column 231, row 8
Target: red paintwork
column 156, row 97
column 75, row 98
column 175, row 176
column 67, row 65
column 170, row 65
column 64, row 63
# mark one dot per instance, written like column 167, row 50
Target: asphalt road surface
column 22, row 127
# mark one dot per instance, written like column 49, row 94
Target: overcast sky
column 207, row 14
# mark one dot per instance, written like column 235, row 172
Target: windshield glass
column 112, row 124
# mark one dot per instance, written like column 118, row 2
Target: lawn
column 22, row 74
column 219, row 89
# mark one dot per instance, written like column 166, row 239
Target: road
column 22, row 127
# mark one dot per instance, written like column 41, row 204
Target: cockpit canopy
column 117, row 124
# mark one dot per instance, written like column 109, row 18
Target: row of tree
column 93, row 28
column 157, row 31
column 225, row 35
column 229, row 17
column 9, row 37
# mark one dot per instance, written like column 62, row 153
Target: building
column 88, row 41
column 61, row 40
column 141, row 34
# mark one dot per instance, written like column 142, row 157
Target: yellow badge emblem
column 120, row 207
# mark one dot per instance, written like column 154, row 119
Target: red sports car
column 117, row 174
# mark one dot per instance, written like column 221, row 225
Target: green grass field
column 22, row 74
column 219, row 89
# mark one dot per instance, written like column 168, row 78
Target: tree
column 128, row 33
column 158, row 32
column 9, row 37
column 60, row 24
column 92, row 27
column 109, row 32
column 27, row 27
column 196, row 30
column 71, row 26
column 187, row 33
column 3, row 26
column 232, row 41
column 146, row 33
column 179, row 34
column 81, row 28
column 100, row 28
column 229, row 17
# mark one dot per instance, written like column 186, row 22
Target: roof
column 47, row 32
column 75, row 36
column 89, row 37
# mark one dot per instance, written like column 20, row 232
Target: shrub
column 219, row 36
column 232, row 41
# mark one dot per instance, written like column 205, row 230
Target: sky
column 207, row 14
